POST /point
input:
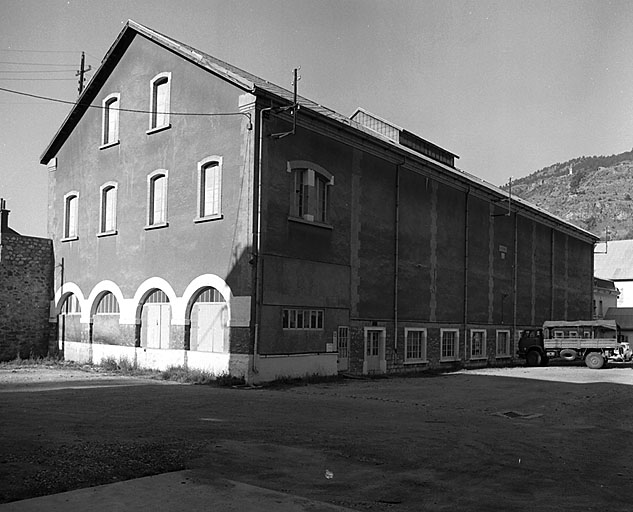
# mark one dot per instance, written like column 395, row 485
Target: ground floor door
column 342, row 340
column 155, row 325
column 208, row 327
column 374, row 351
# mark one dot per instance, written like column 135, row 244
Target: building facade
column 26, row 287
column 205, row 219
column 614, row 262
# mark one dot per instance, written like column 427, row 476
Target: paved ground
column 523, row 439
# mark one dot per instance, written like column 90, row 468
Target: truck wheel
column 594, row 360
column 533, row 358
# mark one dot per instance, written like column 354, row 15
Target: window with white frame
column 503, row 344
column 302, row 319
column 477, row 344
column 160, row 94
column 107, row 217
column 71, row 212
column 157, row 199
column 310, row 192
column 110, row 133
column 559, row 334
column 414, row 345
column 210, row 188
column 449, row 345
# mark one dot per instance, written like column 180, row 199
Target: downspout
column 257, row 239
column 515, row 276
column 396, row 259
column 466, row 256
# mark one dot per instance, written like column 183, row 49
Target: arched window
column 71, row 210
column 108, row 209
column 108, row 305
column 111, row 119
column 209, row 188
column 157, row 199
column 160, row 101
column 311, row 192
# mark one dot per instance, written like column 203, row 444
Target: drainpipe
column 466, row 257
column 515, row 276
column 257, row 238
column 396, row 261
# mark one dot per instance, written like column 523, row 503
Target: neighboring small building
column 605, row 296
column 26, row 284
column 624, row 319
column 614, row 261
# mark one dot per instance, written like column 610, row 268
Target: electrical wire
column 23, row 71
column 29, row 79
column 37, row 64
column 137, row 111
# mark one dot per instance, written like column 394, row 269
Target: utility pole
column 82, row 71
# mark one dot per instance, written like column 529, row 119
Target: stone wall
column 26, row 288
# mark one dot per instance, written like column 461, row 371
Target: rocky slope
column 594, row 193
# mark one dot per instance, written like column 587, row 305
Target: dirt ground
column 521, row 439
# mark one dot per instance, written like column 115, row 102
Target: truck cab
column 532, row 347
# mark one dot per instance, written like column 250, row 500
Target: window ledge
column 158, row 129
column 157, row 226
column 107, row 233
column 449, row 360
column 315, row 223
column 218, row 216
column 503, row 356
column 478, row 358
column 109, row 144
column 416, row 361
column 69, row 239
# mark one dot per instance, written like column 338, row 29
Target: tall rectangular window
column 209, row 188
column 503, row 343
column 108, row 208
column 157, row 199
column 160, row 91
column 71, row 206
column 477, row 344
column 111, row 120
column 449, row 350
column 414, row 345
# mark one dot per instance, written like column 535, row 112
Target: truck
column 593, row 341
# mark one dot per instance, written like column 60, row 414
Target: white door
column 156, row 323
column 208, row 325
column 374, row 351
column 343, row 348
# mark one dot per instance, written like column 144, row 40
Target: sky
column 511, row 86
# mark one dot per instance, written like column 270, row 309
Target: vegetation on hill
column 592, row 192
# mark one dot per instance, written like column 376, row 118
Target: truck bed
column 580, row 343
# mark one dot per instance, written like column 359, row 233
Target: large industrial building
column 204, row 217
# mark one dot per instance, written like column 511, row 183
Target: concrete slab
column 176, row 491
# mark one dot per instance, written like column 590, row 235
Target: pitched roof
column 256, row 85
column 623, row 317
column 616, row 263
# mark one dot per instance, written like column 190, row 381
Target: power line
column 36, row 79
column 22, row 71
column 37, row 51
column 137, row 111
column 37, row 64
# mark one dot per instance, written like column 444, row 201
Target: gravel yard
column 555, row 438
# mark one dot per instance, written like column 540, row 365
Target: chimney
column 4, row 216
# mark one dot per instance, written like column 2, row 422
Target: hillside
column 594, row 193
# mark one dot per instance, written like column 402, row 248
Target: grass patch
column 48, row 361
column 193, row 376
column 306, row 380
